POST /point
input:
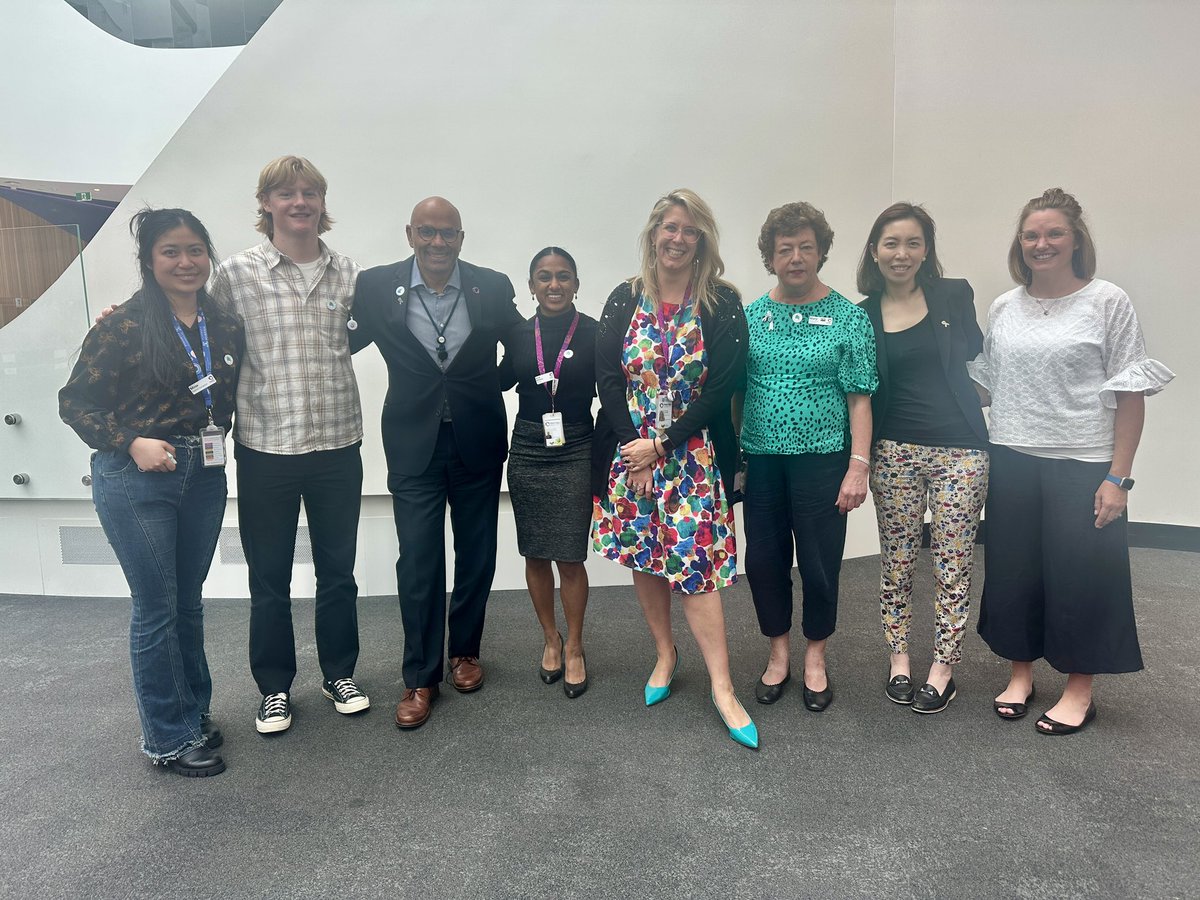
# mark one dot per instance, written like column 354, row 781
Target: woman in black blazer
column 930, row 441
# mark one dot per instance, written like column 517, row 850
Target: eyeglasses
column 1054, row 235
column 427, row 233
column 689, row 234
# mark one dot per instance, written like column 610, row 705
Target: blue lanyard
column 200, row 373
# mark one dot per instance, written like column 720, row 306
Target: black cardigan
column 725, row 342
column 951, row 304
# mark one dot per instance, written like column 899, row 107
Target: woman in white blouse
column 1066, row 367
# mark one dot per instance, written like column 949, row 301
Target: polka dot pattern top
column 803, row 360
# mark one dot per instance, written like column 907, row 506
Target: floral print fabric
column 684, row 532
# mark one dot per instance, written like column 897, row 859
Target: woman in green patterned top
column 806, row 431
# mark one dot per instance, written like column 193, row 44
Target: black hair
column 552, row 251
column 160, row 356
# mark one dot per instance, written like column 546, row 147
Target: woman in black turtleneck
column 551, row 359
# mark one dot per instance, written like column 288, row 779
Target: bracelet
column 862, row 459
column 658, row 448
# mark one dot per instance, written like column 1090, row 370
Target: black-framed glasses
column 427, row 233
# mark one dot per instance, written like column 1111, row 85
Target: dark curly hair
column 788, row 219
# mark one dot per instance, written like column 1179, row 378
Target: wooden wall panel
column 33, row 254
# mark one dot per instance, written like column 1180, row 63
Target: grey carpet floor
column 516, row 791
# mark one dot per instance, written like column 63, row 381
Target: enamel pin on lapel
column 400, row 293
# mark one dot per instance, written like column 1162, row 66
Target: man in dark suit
column 436, row 321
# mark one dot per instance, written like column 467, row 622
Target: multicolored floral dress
column 684, row 532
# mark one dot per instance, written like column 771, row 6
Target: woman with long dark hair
column 153, row 394
column 929, row 448
column 551, row 358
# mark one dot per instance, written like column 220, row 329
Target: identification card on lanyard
column 552, row 422
column 664, row 404
column 212, row 436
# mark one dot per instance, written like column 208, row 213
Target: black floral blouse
column 107, row 401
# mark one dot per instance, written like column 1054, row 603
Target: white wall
column 561, row 123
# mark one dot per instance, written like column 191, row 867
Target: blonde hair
column 1083, row 259
column 708, row 264
column 282, row 172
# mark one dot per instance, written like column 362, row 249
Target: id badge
column 663, row 411
column 207, row 381
column 552, row 426
column 212, row 445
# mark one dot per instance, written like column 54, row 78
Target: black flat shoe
column 549, row 676
column 212, row 734
column 769, row 693
column 1018, row 709
column 928, row 700
column 900, row 690
column 818, row 700
column 1060, row 728
column 199, row 762
column 575, row 690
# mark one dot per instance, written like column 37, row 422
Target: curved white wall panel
column 550, row 122
column 83, row 106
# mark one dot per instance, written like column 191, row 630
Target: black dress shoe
column 549, row 676
column 769, row 693
column 199, row 762
column 928, row 700
column 818, row 700
column 901, row 690
column 573, row 690
column 212, row 734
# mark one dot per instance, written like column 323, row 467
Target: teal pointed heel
column 659, row 694
column 747, row 735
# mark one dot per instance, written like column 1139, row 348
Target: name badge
column 820, row 320
column 663, row 411
column 207, row 381
column 552, row 426
column 212, row 446
column 544, row 379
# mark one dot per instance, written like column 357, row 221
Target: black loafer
column 549, row 676
column 212, row 734
column 816, row 701
column 571, row 689
column 901, row 690
column 769, row 693
column 928, row 700
column 199, row 762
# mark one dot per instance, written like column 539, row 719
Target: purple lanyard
column 537, row 340
column 665, row 373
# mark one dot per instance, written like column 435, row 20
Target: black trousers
column 270, row 488
column 1055, row 586
column 790, row 507
column 419, row 504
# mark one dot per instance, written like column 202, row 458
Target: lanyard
column 665, row 373
column 541, row 362
column 200, row 373
column 442, row 352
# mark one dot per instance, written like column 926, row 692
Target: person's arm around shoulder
column 610, row 369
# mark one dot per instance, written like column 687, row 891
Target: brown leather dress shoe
column 413, row 708
column 466, row 674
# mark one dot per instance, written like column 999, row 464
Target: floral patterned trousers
column 952, row 483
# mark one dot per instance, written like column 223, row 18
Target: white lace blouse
column 1053, row 368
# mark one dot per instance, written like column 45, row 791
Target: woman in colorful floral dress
column 670, row 353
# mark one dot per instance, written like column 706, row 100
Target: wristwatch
column 1125, row 484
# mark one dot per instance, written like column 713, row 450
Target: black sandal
column 1019, row 710
column 1061, row 728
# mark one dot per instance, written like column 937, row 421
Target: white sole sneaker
column 272, row 726
column 358, row 704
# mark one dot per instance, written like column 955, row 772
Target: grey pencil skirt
column 551, row 492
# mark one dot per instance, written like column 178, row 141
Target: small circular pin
column 351, row 325
column 229, row 359
column 475, row 290
column 441, row 339
column 400, row 291
column 567, row 354
column 797, row 318
column 331, row 305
